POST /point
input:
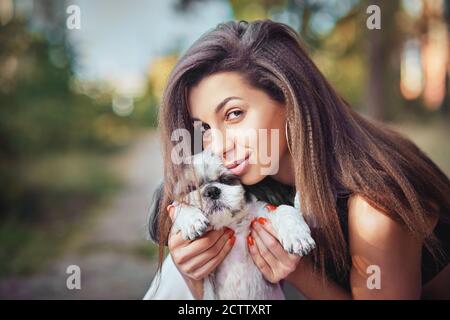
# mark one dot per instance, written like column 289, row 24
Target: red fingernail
column 253, row 222
column 262, row 220
column 232, row 240
column 271, row 207
column 250, row 240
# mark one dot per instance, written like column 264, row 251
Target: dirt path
column 109, row 249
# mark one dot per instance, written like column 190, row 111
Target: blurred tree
column 383, row 62
column 43, row 110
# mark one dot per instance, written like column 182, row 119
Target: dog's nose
column 212, row 192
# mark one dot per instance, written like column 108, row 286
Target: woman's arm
column 378, row 242
column 313, row 286
column 374, row 240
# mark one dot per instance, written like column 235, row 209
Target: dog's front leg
column 292, row 231
column 190, row 221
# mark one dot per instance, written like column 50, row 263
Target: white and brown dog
column 216, row 198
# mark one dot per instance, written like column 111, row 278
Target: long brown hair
column 333, row 147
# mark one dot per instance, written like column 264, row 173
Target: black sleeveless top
column 274, row 192
column 430, row 266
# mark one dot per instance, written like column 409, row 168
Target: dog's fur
column 220, row 200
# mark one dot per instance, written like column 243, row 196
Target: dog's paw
column 292, row 230
column 191, row 222
column 300, row 243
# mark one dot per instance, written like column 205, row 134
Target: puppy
column 215, row 197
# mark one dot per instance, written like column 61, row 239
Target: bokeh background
column 79, row 150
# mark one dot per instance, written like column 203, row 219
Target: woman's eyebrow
column 224, row 102
column 220, row 105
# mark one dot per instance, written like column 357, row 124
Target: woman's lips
column 239, row 166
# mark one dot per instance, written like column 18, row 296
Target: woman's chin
column 251, row 177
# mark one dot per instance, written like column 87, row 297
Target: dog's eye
column 191, row 187
column 229, row 179
column 205, row 127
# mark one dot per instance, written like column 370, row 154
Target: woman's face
column 233, row 115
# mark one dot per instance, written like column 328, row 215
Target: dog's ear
column 154, row 214
column 248, row 196
column 271, row 191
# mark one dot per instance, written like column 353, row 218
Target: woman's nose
column 220, row 144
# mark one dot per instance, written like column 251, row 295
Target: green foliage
column 55, row 146
column 41, row 114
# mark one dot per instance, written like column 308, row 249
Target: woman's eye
column 233, row 114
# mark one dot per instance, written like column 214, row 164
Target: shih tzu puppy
column 212, row 196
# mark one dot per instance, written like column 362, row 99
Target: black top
column 274, row 192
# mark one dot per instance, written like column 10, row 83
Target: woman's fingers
column 208, row 240
column 270, row 242
column 265, row 251
column 212, row 264
column 259, row 261
column 267, row 235
column 201, row 259
column 270, row 257
column 184, row 250
column 266, row 225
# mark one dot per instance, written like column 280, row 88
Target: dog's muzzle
column 212, row 192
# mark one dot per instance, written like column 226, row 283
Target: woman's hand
column 269, row 256
column 197, row 258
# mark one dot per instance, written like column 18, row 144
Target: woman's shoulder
column 367, row 219
column 369, row 224
column 377, row 237
column 366, row 215
column 372, row 232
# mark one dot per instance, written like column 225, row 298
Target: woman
column 380, row 206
